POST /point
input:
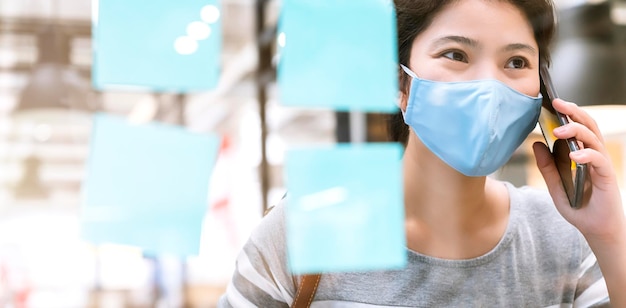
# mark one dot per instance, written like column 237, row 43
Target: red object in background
column 220, row 206
column 17, row 297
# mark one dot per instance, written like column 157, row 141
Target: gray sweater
column 541, row 261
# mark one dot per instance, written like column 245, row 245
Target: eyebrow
column 475, row 44
column 519, row 46
column 456, row 39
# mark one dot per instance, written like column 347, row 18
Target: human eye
column 517, row 63
column 455, row 55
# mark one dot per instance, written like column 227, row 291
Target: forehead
column 490, row 20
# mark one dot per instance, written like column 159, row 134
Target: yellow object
column 611, row 119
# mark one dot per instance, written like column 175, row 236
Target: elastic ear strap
column 306, row 291
column 408, row 71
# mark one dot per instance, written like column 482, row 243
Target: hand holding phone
column 574, row 176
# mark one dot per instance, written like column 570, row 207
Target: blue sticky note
column 147, row 185
column 158, row 45
column 338, row 54
column 345, row 209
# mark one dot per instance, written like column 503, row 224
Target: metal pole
column 342, row 126
column 263, row 77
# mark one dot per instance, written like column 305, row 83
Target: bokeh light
column 198, row 30
column 185, row 45
column 210, row 14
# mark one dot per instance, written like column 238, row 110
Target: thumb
column 545, row 163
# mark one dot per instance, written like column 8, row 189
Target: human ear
column 402, row 100
column 404, row 89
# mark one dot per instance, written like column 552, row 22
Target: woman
column 472, row 240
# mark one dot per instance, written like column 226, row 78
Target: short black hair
column 414, row 16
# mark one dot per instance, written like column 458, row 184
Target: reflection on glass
column 210, row 14
column 185, row 45
column 324, row 198
column 282, row 39
column 198, row 30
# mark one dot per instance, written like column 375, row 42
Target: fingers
column 582, row 134
column 600, row 163
column 577, row 115
column 584, row 129
column 550, row 174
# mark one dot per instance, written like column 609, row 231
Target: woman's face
column 479, row 39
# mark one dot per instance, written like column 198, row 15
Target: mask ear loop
column 408, row 71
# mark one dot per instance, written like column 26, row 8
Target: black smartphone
column 574, row 176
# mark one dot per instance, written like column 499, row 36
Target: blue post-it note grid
column 159, row 45
column 345, row 209
column 147, row 185
column 338, row 54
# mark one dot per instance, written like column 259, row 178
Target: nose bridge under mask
column 473, row 126
column 493, row 80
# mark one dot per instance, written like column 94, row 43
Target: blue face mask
column 473, row 126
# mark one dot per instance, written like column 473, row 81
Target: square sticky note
column 147, row 185
column 338, row 54
column 345, row 209
column 159, row 45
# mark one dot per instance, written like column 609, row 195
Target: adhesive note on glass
column 160, row 45
column 338, row 54
column 345, row 208
column 147, row 185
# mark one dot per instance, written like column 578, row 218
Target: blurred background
column 46, row 104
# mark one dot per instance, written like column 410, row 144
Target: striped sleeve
column 261, row 278
column 591, row 290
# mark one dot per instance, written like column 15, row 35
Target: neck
column 440, row 193
column 446, row 209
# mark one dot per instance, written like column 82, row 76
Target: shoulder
column 269, row 235
column 535, row 216
column 535, row 204
column 537, row 198
column 261, row 277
